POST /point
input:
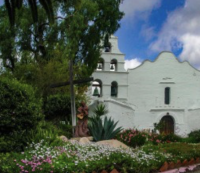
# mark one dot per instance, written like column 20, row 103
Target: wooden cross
column 72, row 82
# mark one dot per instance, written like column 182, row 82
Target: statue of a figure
column 81, row 129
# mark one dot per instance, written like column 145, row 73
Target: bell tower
column 110, row 76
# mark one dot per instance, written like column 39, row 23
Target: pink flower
column 158, row 141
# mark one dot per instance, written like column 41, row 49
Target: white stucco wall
column 121, row 112
column 146, row 90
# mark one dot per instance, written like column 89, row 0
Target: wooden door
column 167, row 125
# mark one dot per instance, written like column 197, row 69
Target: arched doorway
column 167, row 124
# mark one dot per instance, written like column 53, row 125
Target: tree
column 79, row 27
column 12, row 5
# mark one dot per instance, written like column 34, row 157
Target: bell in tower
column 96, row 92
column 99, row 67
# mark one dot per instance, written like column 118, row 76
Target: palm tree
column 12, row 5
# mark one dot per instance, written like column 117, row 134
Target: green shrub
column 49, row 131
column 65, row 129
column 188, row 140
column 194, row 136
column 20, row 112
column 57, row 108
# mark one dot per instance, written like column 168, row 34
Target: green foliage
column 179, row 151
column 7, row 164
column 58, row 108
column 194, row 136
column 12, row 6
column 50, row 132
column 102, row 129
column 100, row 110
column 65, row 129
column 45, row 48
column 20, row 112
column 76, row 33
column 132, row 137
column 158, row 126
column 44, row 130
column 41, row 77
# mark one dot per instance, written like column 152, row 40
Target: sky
column 152, row 26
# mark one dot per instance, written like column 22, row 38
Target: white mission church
column 165, row 90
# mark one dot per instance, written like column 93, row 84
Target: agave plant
column 100, row 110
column 102, row 129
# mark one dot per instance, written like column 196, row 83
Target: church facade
column 166, row 91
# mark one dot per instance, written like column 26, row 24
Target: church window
column 167, row 95
column 97, row 88
column 114, row 89
column 113, row 65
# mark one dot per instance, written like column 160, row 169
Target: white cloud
column 131, row 8
column 147, row 32
column 132, row 63
column 182, row 30
column 191, row 50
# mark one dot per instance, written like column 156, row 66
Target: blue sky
column 152, row 26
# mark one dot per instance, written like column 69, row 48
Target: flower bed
column 85, row 158
column 61, row 157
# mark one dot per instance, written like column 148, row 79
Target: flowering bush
column 132, row 137
column 136, row 138
column 163, row 138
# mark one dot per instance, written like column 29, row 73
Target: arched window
column 113, row 65
column 114, row 89
column 97, row 88
column 167, row 95
column 100, row 65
